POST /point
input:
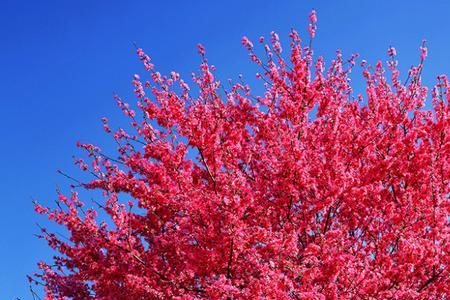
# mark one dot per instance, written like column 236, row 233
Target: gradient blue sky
column 60, row 61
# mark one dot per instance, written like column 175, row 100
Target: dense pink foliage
column 303, row 192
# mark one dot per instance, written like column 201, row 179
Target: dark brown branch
column 207, row 169
column 429, row 281
column 230, row 259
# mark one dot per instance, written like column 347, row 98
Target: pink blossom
column 201, row 49
column 313, row 17
column 246, row 42
column 392, row 52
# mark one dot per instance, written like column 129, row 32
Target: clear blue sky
column 60, row 61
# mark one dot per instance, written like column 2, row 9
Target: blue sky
column 60, row 62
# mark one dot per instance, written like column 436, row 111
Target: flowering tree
column 304, row 192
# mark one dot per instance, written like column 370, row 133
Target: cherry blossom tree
column 306, row 191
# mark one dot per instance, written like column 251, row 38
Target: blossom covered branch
column 303, row 192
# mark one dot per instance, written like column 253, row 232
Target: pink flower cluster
column 305, row 191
